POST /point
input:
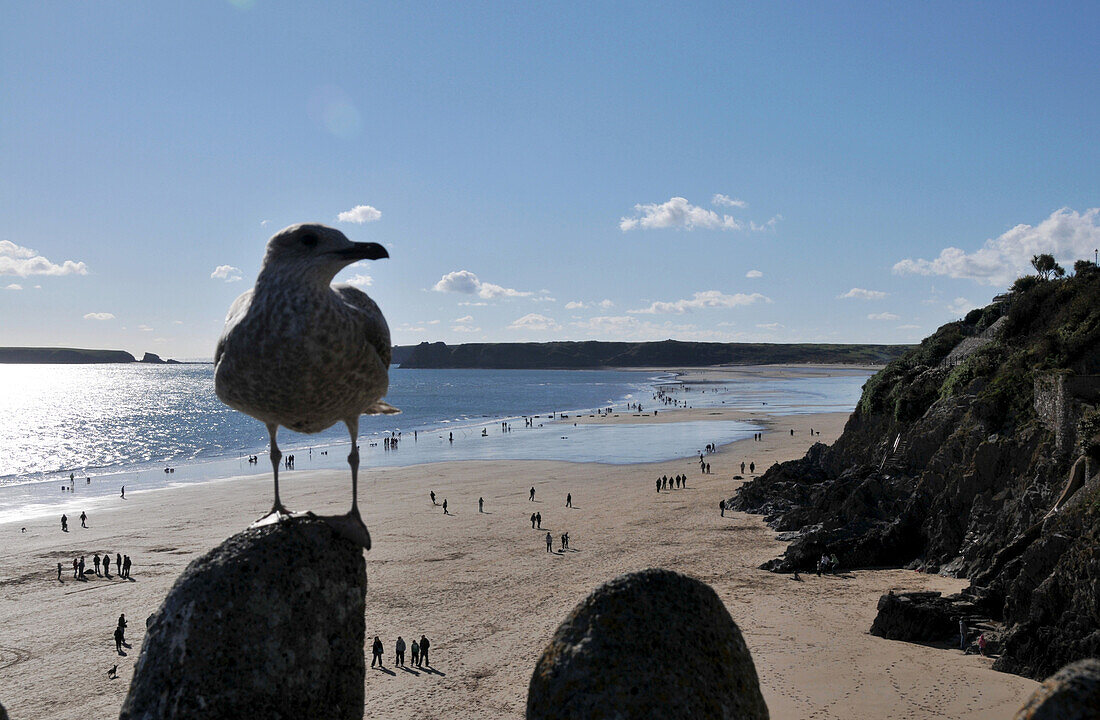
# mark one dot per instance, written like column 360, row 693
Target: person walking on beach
column 75, row 569
column 82, row 566
column 415, row 653
column 532, row 498
column 549, row 543
column 722, row 507
column 399, row 651
column 122, row 626
column 118, row 564
column 59, row 573
column 376, row 652
column 95, row 564
column 445, row 507
column 752, row 467
column 123, row 492
column 568, row 500
column 481, row 504
column 432, row 493
column 107, row 565
column 708, row 468
column 532, row 521
column 126, row 567
column 64, row 523
column 658, row 485
column 83, row 519
column 538, row 519
column 424, row 645
column 118, row 640
column 742, row 467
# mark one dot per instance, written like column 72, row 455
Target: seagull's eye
column 309, row 240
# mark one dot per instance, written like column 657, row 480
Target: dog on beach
column 112, row 673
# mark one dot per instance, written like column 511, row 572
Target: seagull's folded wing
column 381, row 408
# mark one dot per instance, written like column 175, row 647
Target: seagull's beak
column 362, row 251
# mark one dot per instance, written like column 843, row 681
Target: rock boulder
column 1072, row 693
column 918, row 616
column 652, row 644
column 268, row 624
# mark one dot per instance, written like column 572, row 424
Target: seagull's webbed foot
column 278, row 514
column 350, row 527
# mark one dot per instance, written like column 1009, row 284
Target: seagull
column 301, row 353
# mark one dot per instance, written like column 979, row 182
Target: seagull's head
column 317, row 252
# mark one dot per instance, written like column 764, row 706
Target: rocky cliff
column 975, row 454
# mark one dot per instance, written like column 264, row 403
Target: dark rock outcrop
column 954, row 461
column 152, row 358
column 652, row 644
column 268, row 624
column 919, row 616
column 1072, row 693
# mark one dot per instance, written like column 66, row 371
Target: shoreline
column 40, row 496
column 482, row 587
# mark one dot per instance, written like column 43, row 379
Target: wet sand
column 484, row 590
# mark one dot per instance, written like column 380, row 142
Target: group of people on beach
column 665, row 482
column 419, row 652
column 122, row 566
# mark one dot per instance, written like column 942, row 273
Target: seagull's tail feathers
column 381, row 408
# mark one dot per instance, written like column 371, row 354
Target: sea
column 154, row 426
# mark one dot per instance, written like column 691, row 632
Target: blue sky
column 787, row 172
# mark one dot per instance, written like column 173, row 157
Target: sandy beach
column 482, row 587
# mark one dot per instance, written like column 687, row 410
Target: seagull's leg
column 351, row 526
column 278, row 512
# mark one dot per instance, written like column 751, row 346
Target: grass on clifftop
column 1050, row 325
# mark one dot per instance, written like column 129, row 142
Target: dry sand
column 484, row 590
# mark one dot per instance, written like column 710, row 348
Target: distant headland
column 667, row 353
column 74, row 356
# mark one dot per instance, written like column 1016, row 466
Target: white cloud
column 464, row 281
column 1066, row 234
column 227, row 273
column 534, row 321
column 574, row 305
column 754, row 274
column 677, row 213
column 360, row 214
column 769, row 225
column 99, row 316
column 145, row 328
column 883, row 316
column 464, row 319
column 433, row 322
column 263, row 223
column 726, row 200
column 605, row 304
column 769, row 326
column 177, row 322
column 704, row 299
column 14, row 286
column 960, row 306
column 465, row 328
column 473, row 304
column 23, row 262
column 360, row 280
column 863, row 294
column 626, row 327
